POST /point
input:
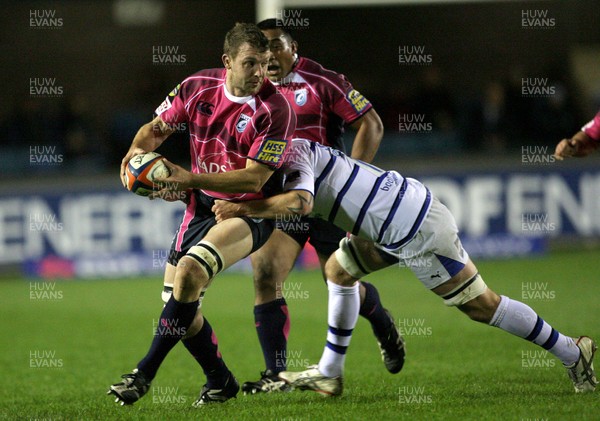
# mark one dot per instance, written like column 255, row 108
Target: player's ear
column 226, row 61
column 294, row 47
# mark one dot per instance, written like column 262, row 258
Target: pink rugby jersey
column 592, row 129
column 323, row 101
column 225, row 130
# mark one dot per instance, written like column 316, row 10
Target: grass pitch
column 62, row 348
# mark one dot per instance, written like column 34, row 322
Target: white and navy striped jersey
column 369, row 202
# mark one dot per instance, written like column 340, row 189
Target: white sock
column 520, row 320
column 344, row 304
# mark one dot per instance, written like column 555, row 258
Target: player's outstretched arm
column 293, row 202
column 148, row 138
column 369, row 131
column 247, row 180
column 579, row 145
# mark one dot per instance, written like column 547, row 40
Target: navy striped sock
column 343, row 306
column 520, row 320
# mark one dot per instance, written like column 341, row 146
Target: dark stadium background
column 478, row 52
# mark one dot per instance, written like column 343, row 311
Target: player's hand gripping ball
column 143, row 171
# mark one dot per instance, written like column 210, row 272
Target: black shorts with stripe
column 322, row 235
column 199, row 219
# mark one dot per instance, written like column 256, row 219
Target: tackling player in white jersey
column 393, row 218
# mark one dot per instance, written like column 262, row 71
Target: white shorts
column 435, row 254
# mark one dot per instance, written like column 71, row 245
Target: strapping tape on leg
column 349, row 259
column 168, row 291
column 464, row 293
column 208, row 256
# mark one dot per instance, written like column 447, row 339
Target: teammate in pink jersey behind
column 239, row 131
column 324, row 101
column 583, row 143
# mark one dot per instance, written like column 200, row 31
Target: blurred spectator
column 32, row 122
column 433, row 99
column 84, row 150
column 393, row 103
column 553, row 117
column 491, row 125
column 518, row 109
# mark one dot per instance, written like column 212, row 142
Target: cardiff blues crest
column 242, row 123
column 300, row 96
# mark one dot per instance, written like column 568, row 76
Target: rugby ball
column 142, row 171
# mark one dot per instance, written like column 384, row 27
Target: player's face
column 282, row 54
column 246, row 72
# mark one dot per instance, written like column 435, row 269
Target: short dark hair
column 273, row 23
column 244, row 33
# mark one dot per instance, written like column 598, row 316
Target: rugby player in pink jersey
column 324, row 102
column 583, row 143
column 239, row 131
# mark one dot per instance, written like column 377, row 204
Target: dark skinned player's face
column 281, row 56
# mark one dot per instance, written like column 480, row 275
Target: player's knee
column 345, row 265
column 473, row 298
column 336, row 273
column 188, row 278
column 269, row 276
column 200, row 264
column 481, row 308
column 264, row 272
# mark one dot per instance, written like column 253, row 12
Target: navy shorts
column 322, row 235
column 199, row 219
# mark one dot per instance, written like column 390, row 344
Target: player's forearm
column 270, row 208
column 294, row 202
column 291, row 203
column 585, row 144
column 368, row 137
column 149, row 137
